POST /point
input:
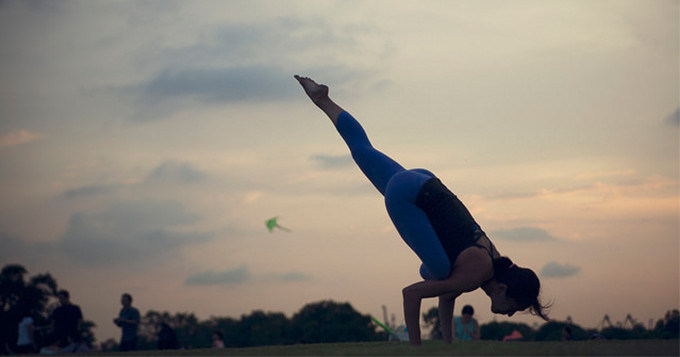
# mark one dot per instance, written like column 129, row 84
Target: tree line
column 35, row 297
column 319, row 322
column 666, row 327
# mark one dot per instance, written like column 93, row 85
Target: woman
column 465, row 326
column 456, row 255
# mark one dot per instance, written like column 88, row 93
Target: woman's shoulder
column 476, row 257
column 475, row 261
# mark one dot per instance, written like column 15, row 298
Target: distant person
column 218, row 339
column 567, row 334
column 465, row 326
column 167, row 339
column 128, row 320
column 25, row 336
column 66, row 320
column 457, row 256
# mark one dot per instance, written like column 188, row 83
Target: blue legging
column 400, row 188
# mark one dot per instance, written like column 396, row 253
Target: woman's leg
column 377, row 167
column 413, row 225
column 400, row 187
column 318, row 93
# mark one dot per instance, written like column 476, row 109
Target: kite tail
column 283, row 228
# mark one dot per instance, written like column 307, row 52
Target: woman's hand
column 412, row 314
column 446, row 316
column 413, row 295
column 471, row 270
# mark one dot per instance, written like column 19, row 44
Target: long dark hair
column 523, row 285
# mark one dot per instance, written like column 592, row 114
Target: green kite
column 272, row 223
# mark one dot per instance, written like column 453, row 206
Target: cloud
column 673, row 118
column 128, row 232
column 252, row 196
column 35, row 5
column 174, row 171
column 239, row 275
column 253, row 62
column 332, row 161
column 89, row 191
column 288, row 277
column 557, row 270
column 19, row 137
column 13, row 249
column 283, row 40
column 174, row 88
column 170, row 171
column 525, row 234
column 229, row 84
column 145, row 213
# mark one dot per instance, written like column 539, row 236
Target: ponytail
column 523, row 285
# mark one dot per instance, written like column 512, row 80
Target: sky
column 143, row 144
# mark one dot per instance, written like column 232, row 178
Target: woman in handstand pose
column 456, row 255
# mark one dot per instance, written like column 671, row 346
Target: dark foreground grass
column 437, row 348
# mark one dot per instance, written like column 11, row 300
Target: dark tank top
column 451, row 220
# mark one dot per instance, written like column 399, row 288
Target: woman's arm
column 477, row 333
column 450, row 288
column 413, row 295
column 446, row 304
column 412, row 315
column 468, row 274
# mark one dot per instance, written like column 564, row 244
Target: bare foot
column 318, row 93
column 315, row 91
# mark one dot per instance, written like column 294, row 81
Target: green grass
column 437, row 348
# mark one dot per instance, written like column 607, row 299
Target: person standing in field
column 66, row 320
column 128, row 320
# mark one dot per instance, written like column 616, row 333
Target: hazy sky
column 144, row 143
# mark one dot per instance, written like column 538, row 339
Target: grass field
column 436, row 348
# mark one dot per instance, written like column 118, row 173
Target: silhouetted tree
column 497, row 330
column 328, row 321
column 229, row 328
column 190, row 332
column 432, row 321
column 37, row 296
column 109, row 345
column 669, row 326
column 618, row 333
column 262, row 329
column 552, row 331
